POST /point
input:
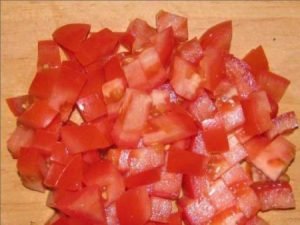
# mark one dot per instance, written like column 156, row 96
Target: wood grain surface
column 274, row 24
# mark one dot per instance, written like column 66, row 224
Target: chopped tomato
column 84, row 205
column 143, row 178
column 178, row 23
column 48, row 55
column 83, row 138
column 220, row 196
column 134, row 207
column 98, row 45
column 268, row 80
column 66, row 91
column 168, row 186
column 213, row 129
column 185, row 80
column 257, row 60
column 180, row 161
column 32, row 167
column 275, row 157
column 191, row 51
column 141, row 31
column 161, row 209
column 44, row 141
column 198, row 211
column 229, row 216
column 91, row 107
column 144, row 159
column 232, row 113
column 211, row 68
column 274, row 195
column 219, row 36
column 169, row 127
column 71, row 36
column 38, row 115
column 283, row 123
column 202, row 107
column 113, row 69
column 239, row 73
column 164, row 42
column 19, row 104
column 107, row 178
column 257, row 113
column 43, row 83
column 131, row 119
column 21, row 137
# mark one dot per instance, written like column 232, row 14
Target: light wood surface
column 275, row 25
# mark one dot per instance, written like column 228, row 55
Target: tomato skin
column 91, row 107
column 257, row 60
column 44, row 141
column 134, row 207
column 143, row 178
column 43, row 83
column 107, row 178
column 178, row 23
column 136, row 107
column 83, row 138
column 84, row 205
column 113, row 69
column 71, row 176
column 214, row 128
column 70, row 36
column 170, row 127
column 38, row 115
column 268, row 80
column 211, row 68
column 274, row 195
column 98, row 45
column 66, row 91
column 60, row 154
column 32, row 167
column 257, row 110
column 48, row 55
column 218, row 36
column 18, row 105
column 180, row 161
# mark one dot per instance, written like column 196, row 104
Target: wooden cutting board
column 275, row 25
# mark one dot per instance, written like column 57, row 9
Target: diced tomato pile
column 174, row 130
